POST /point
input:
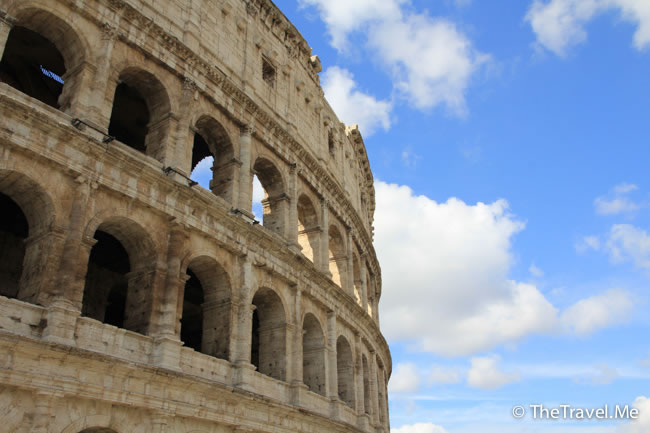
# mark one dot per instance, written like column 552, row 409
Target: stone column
column 42, row 412
column 246, row 172
column 243, row 326
column 358, row 368
column 64, row 298
column 333, row 383
column 374, row 390
column 6, row 23
column 291, row 228
column 324, row 238
column 98, row 112
column 296, row 352
column 349, row 281
column 363, row 269
column 167, row 346
column 183, row 140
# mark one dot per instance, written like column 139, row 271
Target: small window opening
column 33, row 65
column 255, row 341
column 130, row 117
column 330, row 143
column 268, row 73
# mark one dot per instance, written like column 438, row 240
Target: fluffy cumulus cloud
column 591, row 314
column 485, row 373
column 617, row 202
column 627, row 243
column 419, row 428
column 431, row 60
column 353, row 106
column 405, row 378
column 560, row 24
column 445, row 273
column 642, row 424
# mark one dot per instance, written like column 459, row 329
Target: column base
column 61, row 322
column 167, row 353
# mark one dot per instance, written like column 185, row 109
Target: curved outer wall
column 224, row 325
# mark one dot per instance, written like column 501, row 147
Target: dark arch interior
column 255, row 341
column 33, row 65
column 106, row 282
column 14, row 229
column 192, row 319
column 200, row 151
column 130, row 117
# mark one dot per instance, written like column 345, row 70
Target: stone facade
column 133, row 300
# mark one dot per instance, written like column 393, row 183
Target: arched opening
column 33, row 65
column 308, row 229
column 140, row 115
column 356, row 275
column 120, row 276
column 43, row 58
column 26, row 238
column 313, row 355
column 205, row 321
column 366, row 384
column 14, row 230
column 268, row 344
column 336, row 255
column 345, row 371
column 213, row 158
column 274, row 203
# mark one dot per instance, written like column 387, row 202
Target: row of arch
column 119, row 273
column 44, row 57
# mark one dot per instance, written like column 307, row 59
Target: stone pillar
column 324, row 238
column 242, row 328
column 363, row 269
column 291, row 228
column 42, row 413
column 349, row 280
column 183, row 139
column 6, row 23
column 296, row 353
column 374, row 390
column 64, row 298
column 98, row 112
column 358, row 375
column 246, row 172
column 332, row 383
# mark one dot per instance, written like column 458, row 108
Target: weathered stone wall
column 92, row 334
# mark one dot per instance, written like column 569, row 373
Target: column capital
column 247, row 130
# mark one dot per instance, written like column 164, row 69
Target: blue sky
column 509, row 141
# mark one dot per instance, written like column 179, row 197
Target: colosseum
column 134, row 300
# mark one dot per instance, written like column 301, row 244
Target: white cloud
column 485, row 373
column 343, row 16
column 596, row 312
column 442, row 375
column 629, row 243
column 617, row 201
column 431, row 59
column 588, row 243
column 405, row 378
column 432, row 62
column 258, row 196
column 560, row 24
column 419, row 428
column 642, row 424
column 602, row 375
column 410, row 159
column 535, row 271
column 353, row 106
column 445, row 277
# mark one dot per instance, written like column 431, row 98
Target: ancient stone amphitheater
column 132, row 299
